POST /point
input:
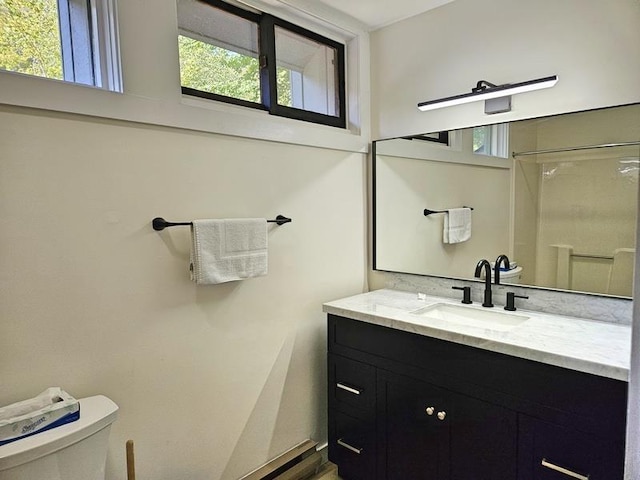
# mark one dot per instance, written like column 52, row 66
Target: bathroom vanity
column 426, row 388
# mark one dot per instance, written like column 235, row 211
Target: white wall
column 593, row 46
column 212, row 381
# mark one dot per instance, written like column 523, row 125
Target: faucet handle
column 466, row 294
column 511, row 301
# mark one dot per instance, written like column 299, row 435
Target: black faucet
column 487, row 281
column 496, row 267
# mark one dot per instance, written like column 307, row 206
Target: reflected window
column 491, row 140
column 437, row 137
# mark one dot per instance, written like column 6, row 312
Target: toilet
column 507, row 276
column 511, row 276
column 75, row 451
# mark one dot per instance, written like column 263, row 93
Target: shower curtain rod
column 571, row 149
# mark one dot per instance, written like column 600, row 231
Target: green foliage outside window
column 479, row 139
column 30, row 37
column 283, row 82
column 214, row 69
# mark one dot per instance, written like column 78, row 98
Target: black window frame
column 437, row 137
column 266, row 25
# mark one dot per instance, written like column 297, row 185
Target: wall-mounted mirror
column 557, row 194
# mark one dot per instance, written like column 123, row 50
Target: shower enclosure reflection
column 565, row 214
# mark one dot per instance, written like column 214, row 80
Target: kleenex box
column 50, row 409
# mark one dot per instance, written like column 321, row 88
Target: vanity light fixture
column 501, row 94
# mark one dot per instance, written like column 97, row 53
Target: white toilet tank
column 511, row 276
column 75, row 451
column 506, row 276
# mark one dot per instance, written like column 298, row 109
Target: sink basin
column 473, row 317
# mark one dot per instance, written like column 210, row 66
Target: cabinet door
column 483, row 440
column 417, row 442
column 553, row 452
column 434, row 434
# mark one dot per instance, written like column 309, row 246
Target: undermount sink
column 473, row 317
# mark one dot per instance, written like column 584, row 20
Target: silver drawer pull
column 563, row 470
column 348, row 389
column 342, row 443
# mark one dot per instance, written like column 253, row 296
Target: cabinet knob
column 430, row 410
column 442, row 415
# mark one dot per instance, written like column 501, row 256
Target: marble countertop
column 589, row 346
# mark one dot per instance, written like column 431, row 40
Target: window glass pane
column 480, row 140
column 306, row 73
column 218, row 51
column 491, row 140
column 30, row 37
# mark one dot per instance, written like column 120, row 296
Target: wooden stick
column 131, row 464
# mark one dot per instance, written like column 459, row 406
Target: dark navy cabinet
column 404, row 406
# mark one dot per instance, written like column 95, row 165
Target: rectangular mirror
column 557, row 194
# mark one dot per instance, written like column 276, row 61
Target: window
column 71, row 40
column 260, row 61
column 491, row 140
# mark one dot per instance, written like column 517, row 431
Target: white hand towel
column 228, row 249
column 457, row 225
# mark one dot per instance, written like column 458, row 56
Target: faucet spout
column 501, row 259
column 487, row 281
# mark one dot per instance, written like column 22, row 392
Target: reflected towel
column 228, row 249
column 457, row 225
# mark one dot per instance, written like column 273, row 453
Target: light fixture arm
column 482, row 85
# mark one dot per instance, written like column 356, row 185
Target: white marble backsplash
column 593, row 307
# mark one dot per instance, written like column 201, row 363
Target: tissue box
column 50, row 409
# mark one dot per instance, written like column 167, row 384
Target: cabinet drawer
column 553, row 452
column 352, row 446
column 351, row 384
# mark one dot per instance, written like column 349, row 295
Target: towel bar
column 160, row 223
column 428, row 212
